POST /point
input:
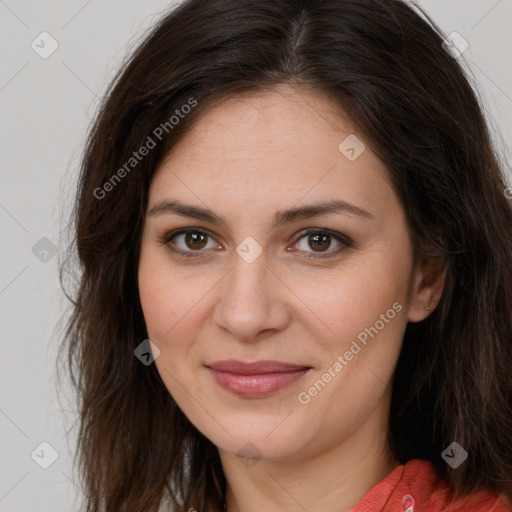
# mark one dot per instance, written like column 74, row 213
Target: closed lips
column 255, row 368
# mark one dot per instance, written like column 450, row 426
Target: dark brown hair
column 384, row 64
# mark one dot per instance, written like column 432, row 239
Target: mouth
column 257, row 379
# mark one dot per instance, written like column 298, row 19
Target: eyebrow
column 280, row 218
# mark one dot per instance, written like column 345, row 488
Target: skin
column 249, row 157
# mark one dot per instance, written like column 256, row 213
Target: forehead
column 258, row 123
column 269, row 147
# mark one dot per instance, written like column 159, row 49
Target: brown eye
column 195, row 240
column 190, row 242
column 320, row 241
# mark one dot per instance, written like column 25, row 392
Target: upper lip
column 254, row 368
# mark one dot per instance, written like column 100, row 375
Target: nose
column 252, row 300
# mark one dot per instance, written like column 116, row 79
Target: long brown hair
column 385, row 65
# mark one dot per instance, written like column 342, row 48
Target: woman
column 299, row 204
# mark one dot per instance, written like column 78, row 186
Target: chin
column 261, row 439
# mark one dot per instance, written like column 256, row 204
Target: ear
column 427, row 284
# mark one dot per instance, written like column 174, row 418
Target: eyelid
column 334, row 234
column 168, row 236
column 345, row 241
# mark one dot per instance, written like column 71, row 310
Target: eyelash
column 346, row 243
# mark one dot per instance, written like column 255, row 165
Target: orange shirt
column 415, row 487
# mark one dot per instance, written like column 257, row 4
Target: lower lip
column 256, row 386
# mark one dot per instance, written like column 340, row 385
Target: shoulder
column 415, row 487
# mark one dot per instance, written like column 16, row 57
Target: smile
column 255, row 380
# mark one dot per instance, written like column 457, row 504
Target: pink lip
column 255, row 380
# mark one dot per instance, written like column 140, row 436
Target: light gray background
column 46, row 106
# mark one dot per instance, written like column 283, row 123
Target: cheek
column 373, row 322
column 372, row 293
column 171, row 316
column 155, row 301
column 157, row 298
column 171, row 312
column 176, row 309
column 353, row 297
column 364, row 308
column 167, row 300
column 168, row 308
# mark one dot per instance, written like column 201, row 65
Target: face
column 234, row 269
